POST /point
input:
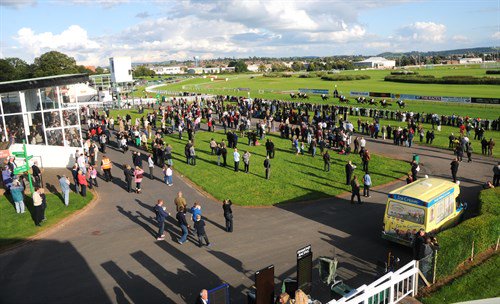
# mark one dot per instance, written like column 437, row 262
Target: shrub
column 483, row 230
column 444, row 80
column 344, row 77
column 307, row 75
column 404, row 72
column 277, row 75
column 492, row 71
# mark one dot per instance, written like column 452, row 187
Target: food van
column 431, row 203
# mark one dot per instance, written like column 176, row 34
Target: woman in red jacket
column 82, row 181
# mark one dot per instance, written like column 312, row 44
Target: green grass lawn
column 293, row 177
column 277, row 88
column 16, row 227
column 481, row 282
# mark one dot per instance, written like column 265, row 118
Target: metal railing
column 390, row 288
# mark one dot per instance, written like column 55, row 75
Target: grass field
column 481, row 282
column 293, row 178
column 16, row 227
column 278, row 88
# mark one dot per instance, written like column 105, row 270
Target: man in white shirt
column 151, row 166
column 236, row 156
column 362, row 143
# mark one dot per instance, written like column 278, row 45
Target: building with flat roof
column 45, row 113
column 375, row 63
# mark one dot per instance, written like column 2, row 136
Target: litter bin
column 416, row 158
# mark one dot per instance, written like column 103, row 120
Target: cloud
column 103, row 3
column 460, row 38
column 422, row 32
column 73, row 41
column 17, row 3
column 143, row 15
column 496, row 36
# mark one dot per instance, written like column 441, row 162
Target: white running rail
column 389, row 289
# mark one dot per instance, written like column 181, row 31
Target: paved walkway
column 109, row 253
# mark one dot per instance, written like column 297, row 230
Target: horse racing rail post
column 391, row 288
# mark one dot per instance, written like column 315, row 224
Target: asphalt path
column 109, row 254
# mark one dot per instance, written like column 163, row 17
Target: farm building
column 376, row 63
column 471, row 60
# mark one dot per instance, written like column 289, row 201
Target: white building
column 163, row 70
column 121, row 69
column 376, row 63
column 203, row 70
column 45, row 113
column 470, row 60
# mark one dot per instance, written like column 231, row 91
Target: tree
column 239, row 66
column 13, row 69
column 262, row 68
column 99, row 70
column 143, row 71
column 298, row 66
column 54, row 63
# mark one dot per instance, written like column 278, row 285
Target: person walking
column 151, row 166
column 180, row 201
column 82, row 181
column 366, row 160
column 228, row 214
column 496, row 175
column 181, row 220
column 414, row 170
column 92, row 177
column 129, row 174
column 326, row 160
column 349, row 170
column 74, row 173
column 17, row 193
column 167, row 175
column 454, row 169
column 64, row 183
column 161, row 215
column 106, row 168
column 37, row 203
column 37, row 174
column 267, row 166
column 199, row 225
column 236, row 157
column 138, row 175
column 224, row 155
column 367, row 182
column 355, row 190
column 246, row 161
column 192, row 155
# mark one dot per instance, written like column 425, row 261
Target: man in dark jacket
column 349, row 169
column 228, row 214
column 161, row 215
column 267, row 166
column 326, row 160
column 181, row 219
column 418, row 244
column 355, row 189
column 129, row 175
column 199, row 225
column 454, row 169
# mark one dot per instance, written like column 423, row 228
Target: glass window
column 72, row 137
column 70, row 117
column 52, row 119
column 11, row 103
column 32, row 100
column 444, row 208
column 50, row 99
column 15, row 128
column 55, row 137
column 405, row 212
column 36, row 134
column 67, row 98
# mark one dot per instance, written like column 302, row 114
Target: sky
column 91, row 31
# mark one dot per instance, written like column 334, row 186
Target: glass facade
column 46, row 116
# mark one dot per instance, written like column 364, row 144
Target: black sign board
column 304, row 269
column 485, row 100
column 264, row 285
column 378, row 94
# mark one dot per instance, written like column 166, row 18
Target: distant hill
column 479, row 50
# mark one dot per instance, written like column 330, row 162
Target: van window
column 405, row 212
column 444, row 208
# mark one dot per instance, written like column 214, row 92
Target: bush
column 492, row 71
column 444, row 80
column 277, row 75
column 307, row 76
column 483, row 230
column 404, row 72
column 344, row 77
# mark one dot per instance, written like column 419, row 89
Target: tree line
column 49, row 64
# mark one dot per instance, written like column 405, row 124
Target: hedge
column 404, row 73
column 483, row 230
column 444, row 80
column 492, row 71
column 276, row 75
column 344, row 77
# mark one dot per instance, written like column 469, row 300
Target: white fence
column 391, row 288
